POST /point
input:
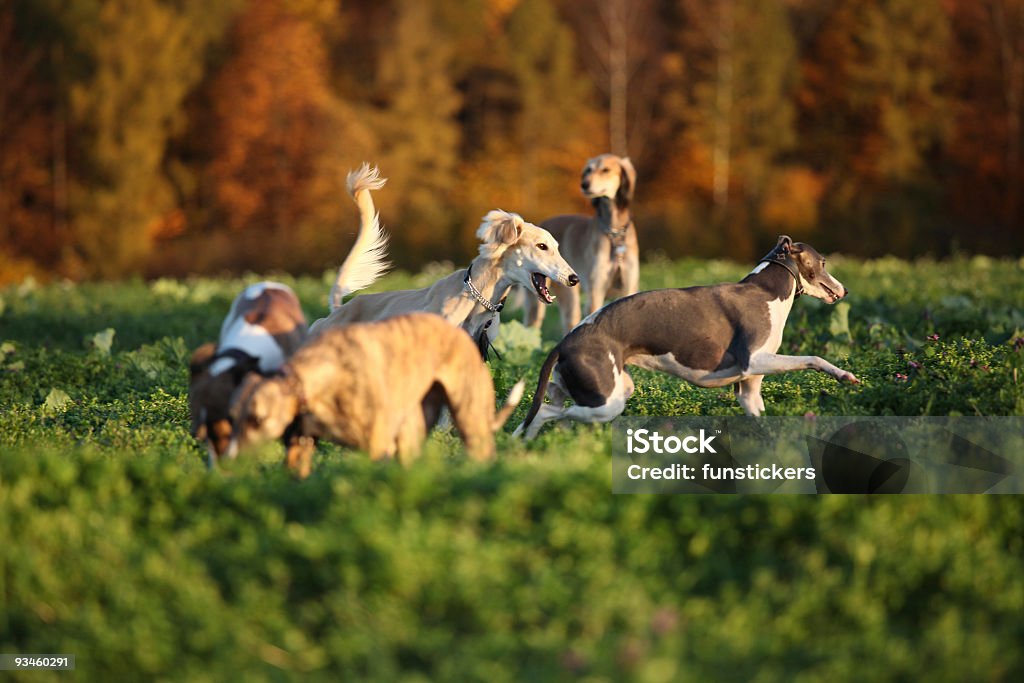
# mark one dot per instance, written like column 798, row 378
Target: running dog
column 265, row 325
column 603, row 248
column 513, row 252
column 710, row 336
column 375, row 386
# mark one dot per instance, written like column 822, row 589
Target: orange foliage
column 791, row 200
column 28, row 235
column 273, row 114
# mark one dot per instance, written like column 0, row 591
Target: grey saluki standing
column 603, row 248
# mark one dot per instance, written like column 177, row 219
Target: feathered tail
column 367, row 260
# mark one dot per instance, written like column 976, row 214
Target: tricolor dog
column 263, row 328
column 513, row 252
column 711, row 336
column 378, row 387
column 603, row 248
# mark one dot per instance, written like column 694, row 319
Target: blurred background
column 163, row 137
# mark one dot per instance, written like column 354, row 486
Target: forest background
column 164, row 137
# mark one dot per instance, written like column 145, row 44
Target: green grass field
column 117, row 545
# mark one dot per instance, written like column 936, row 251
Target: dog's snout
column 846, row 292
column 574, row 280
column 585, row 185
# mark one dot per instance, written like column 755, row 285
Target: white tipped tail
column 514, row 397
column 367, row 260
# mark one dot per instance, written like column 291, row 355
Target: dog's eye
column 254, row 421
column 542, row 246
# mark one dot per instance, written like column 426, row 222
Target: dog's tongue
column 546, row 295
column 540, row 284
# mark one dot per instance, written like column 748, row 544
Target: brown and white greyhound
column 603, row 248
column 710, row 336
column 263, row 328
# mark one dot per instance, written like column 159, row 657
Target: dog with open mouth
column 512, row 252
column 711, row 336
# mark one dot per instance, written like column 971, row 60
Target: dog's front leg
column 630, row 275
column 773, row 364
column 299, row 455
column 600, row 279
column 533, row 310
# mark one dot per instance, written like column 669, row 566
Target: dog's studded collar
column 616, row 234
column 480, row 298
column 782, row 259
column 617, row 239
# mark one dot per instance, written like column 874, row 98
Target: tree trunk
column 722, row 145
column 618, row 77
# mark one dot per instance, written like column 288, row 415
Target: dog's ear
column 201, row 358
column 785, row 244
column 627, row 182
column 500, row 228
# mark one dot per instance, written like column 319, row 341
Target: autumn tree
column 736, row 115
column 986, row 147
column 620, row 43
column 123, row 102
column 29, row 238
column 281, row 140
column 413, row 115
column 876, row 116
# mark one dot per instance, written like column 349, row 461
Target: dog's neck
column 613, row 216
column 489, row 281
column 774, row 278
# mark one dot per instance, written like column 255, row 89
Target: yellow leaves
column 791, row 199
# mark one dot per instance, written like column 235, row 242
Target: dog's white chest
column 778, row 312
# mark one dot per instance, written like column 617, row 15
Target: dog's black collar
column 785, row 260
column 480, row 298
column 237, row 355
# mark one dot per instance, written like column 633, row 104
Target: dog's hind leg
column 471, row 403
column 568, row 306
column 411, row 434
column 614, row 402
column 630, row 274
column 383, row 438
column 748, row 394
